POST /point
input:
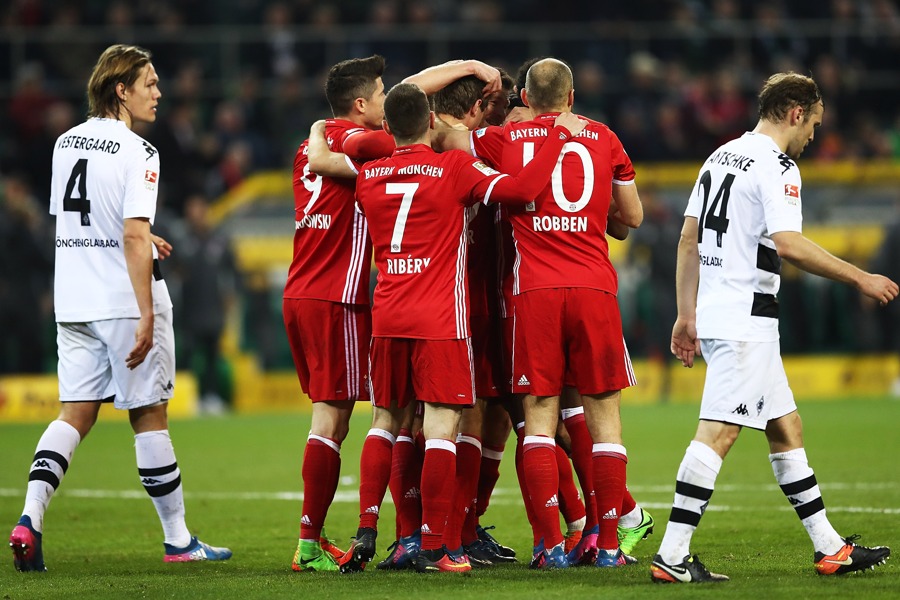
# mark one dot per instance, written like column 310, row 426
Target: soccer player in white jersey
column 114, row 316
column 742, row 219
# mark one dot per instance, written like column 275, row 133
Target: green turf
column 234, row 467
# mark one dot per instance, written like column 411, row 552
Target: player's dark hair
column 518, row 84
column 120, row 63
column 407, row 113
column 784, row 91
column 457, row 98
column 352, row 79
column 548, row 83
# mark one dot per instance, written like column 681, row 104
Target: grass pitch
column 242, row 486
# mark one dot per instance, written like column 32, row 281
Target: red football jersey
column 561, row 237
column 416, row 203
column 332, row 250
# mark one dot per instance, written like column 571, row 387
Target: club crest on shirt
column 792, row 194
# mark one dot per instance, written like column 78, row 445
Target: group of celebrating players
column 495, row 298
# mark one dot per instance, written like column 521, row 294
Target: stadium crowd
column 670, row 97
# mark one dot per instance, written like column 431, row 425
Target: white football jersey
column 747, row 190
column 103, row 173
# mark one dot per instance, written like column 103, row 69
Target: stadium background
column 242, row 82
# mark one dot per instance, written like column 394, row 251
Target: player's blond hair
column 120, row 63
column 784, row 91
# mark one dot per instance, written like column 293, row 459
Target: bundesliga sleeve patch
column 150, row 178
column 480, row 132
column 484, row 168
column 792, row 194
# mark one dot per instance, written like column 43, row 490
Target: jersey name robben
column 332, row 250
column 747, row 190
column 560, row 238
column 416, row 203
column 103, row 173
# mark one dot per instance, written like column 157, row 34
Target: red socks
column 320, row 471
column 438, row 481
column 542, row 475
column 609, row 488
column 374, row 475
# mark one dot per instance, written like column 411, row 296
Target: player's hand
column 519, row 114
column 571, row 122
column 489, row 75
column 162, row 246
column 879, row 287
column 685, row 345
column 143, row 341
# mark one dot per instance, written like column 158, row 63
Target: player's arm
column 523, row 188
column 615, row 228
column 630, row 211
column 369, row 145
column 685, row 344
column 440, row 76
column 812, row 258
column 139, row 260
column 322, row 161
column 444, row 137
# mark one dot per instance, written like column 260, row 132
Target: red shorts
column 329, row 342
column 569, row 335
column 486, row 356
column 436, row 371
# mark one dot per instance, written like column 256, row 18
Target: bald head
column 548, row 85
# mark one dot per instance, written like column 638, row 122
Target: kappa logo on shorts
column 741, row 410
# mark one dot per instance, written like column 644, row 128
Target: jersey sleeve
column 487, row 144
column 780, row 196
column 693, row 206
column 368, row 145
column 622, row 169
column 141, row 184
column 529, row 182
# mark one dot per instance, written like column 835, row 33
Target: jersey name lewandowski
column 332, row 251
column 560, row 238
column 103, row 173
column 746, row 191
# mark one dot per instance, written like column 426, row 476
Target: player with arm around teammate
column 743, row 218
column 416, row 203
column 114, row 316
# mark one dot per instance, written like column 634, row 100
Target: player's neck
column 775, row 131
column 452, row 122
column 356, row 119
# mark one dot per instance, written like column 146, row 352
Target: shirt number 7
column 407, row 190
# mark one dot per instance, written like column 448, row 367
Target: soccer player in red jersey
column 421, row 337
column 326, row 299
column 565, row 288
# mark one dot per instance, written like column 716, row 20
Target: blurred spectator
column 29, row 102
column 887, row 263
column 26, row 276
column 205, row 266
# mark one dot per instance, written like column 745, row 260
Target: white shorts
column 745, row 383
column 92, row 362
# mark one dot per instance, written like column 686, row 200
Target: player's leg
column 464, row 496
column 406, row 475
column 52, row 457
column 584, row 549
column 694, row 485
column 833, row 555
column 84, row 380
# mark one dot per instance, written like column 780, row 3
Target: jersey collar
column 412, row 149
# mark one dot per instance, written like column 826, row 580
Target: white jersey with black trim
column 103, row 173
column 747, row 190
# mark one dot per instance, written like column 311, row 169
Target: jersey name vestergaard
column 332, row 251
column 561, row 237
column 415, row 202
column 103, row 173
column 747, row 190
